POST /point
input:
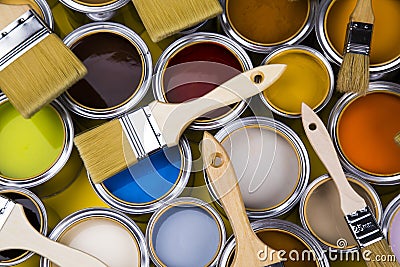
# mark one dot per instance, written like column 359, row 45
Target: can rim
column 48, row 16
column 94, row 9
column 392, row 208
column 141, row 90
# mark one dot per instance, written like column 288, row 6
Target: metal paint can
column 391, row 225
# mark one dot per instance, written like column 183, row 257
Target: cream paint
column 266, row 165
column 105, row 239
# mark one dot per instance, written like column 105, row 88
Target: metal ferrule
column 6, row 206
column 20, row 36
column 358, row 39
column 142, row 132
column 364, row 227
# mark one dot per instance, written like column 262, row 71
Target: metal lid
column 341, row 104
column 144, row 52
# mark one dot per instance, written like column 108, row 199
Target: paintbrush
column 354, row 72
column 358, row 215
column 35, row 65
column 120, row 143
column 163, row 18
column 397, row 138
column 17, row 233
column 224, row 181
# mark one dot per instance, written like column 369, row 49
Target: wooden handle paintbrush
column 354, row 72
column 35, row 65
column 115, row 145
column 223, row 178
column 17, row 233
column 359, row 217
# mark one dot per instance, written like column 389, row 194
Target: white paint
column 266, row 165
column 186, row 236
column 105, row 239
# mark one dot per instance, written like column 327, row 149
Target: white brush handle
column 320, row 140
column 174, row 118
column 18, row 233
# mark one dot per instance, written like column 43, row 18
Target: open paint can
column 108, row 235
column 97, row 10
column 145, row 186
column 363, row 129
column 263, row 26
column 196, row 64
column 321, row 215
column 185, row 232
column 331, row 33
column 119, row 70
column 37, row 153
column 391, row 225
column 301, row 249
column 35, row 213
column 271, row 165
column 308, row 79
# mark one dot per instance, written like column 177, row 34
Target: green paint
column 29, row 147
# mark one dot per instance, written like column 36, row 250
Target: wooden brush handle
column 174, row 118
column 9, row 13
column 320, row 140
column 363, row 12
column 18, row 233
column 223, row 178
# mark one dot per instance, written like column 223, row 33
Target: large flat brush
column 120, row 143
column 358, row 215
column 35, row 65
column 17, row 233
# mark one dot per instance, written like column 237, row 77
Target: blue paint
column 149, row 179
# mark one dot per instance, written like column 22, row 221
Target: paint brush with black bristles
column 35, row 65
column 120, row 143
column 359, row 217
column 17, row 233
column 354, row 72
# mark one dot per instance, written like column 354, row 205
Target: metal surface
column 358, row 38
column 81, row 7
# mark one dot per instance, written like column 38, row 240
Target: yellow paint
column 306, row 79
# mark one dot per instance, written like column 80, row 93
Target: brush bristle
column 163, row 18
column 40, row 75
column 379, row 250
column 353, row 75
column 104, row 150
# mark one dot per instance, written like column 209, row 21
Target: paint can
column 97, row 10
column 331, row 29
column 271, row 164
column 185, row 232
column 120, row 243
column 263, row 26
column 363, row 129
column 119, row 70
column 301, row 249
column 35, row 213
column 391, row 225
column 308, row 78
column 321, row 215
column 37, row 153
column 145, row 186
column 195, row 65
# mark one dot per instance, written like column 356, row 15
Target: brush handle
column 18, row 233
column 174, row 118
column 225, row 184
column 363, row 12
column 320, row 140
column 10, row 13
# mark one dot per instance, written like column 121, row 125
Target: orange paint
column 366, row 131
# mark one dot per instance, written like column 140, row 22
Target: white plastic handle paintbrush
column 223, row 178
column 358, row 215
column 17, row 233
column 115, row 145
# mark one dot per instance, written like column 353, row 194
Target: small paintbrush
column 397, row 138
column 224, row 181
column 35, row 65
column 17, row 233
column 358, row 215
column 354, row 72
column 120, row 143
